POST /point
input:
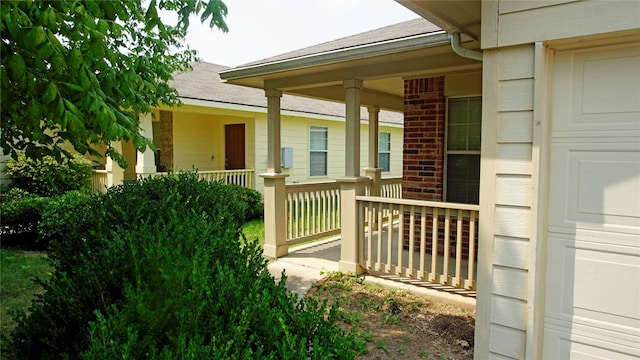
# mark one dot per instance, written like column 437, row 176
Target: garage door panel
column 595, row 284
column 601, row 90
column 598, row 183
column 572, row 343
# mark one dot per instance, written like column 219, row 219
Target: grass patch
column 254, row 229
column 18, row 268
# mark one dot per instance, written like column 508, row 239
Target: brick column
column 166, row 139
column 423, row 152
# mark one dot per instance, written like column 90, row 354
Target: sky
column 263, row 28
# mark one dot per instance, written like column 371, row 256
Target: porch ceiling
column 382, row 72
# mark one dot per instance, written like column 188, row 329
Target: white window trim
column 326, row 151
column 380, row 151
column 446, row 145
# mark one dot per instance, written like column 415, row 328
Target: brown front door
column 234, row 146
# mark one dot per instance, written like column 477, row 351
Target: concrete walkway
column 305, row 265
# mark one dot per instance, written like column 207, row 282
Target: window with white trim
column 464, row 124
column 318, row 150
column 384, row 151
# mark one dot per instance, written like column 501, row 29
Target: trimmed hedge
column 21, row 212
column 156, row 269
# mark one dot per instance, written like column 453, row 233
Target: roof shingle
column 203, row 83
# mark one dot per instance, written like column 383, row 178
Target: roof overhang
column 382, row 66
column 450, row 15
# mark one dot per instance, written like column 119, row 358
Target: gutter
column 464, row 52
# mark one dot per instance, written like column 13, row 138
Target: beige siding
column 507, row 152
column 194, row 142
column 508, row 22
column 295, row 134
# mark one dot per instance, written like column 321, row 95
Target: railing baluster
column 289, row 216
column 412, row 231
column 444, row 278
column 457, row 281
column 470, row 283
column 361, row 232
column 378, row 213
column 389, row 236
column 400, row 240
column 423, row 238
column 369, row 235
column 310, row 212
column 433, row 276
column 297, row 214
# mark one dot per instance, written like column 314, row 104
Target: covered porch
column 426, row 231
column 188, row 139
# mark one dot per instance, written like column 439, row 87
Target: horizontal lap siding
column 508, row 22
column 511, row 209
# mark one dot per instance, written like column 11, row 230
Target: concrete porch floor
column 305, row 265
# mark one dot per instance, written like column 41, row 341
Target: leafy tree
column 81, row 71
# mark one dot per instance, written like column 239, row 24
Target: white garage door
column 592, row 305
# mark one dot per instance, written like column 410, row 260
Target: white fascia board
column 352, row 53
column 262, row 109
column 256, row 109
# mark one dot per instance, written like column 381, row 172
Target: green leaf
column 75, row 59
column 50, row 18
column 16, row 67
column 102, row 26
column 35, row 37
column 50, row 93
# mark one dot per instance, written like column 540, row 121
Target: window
column 384, row 151
column 464, row 124
column 318, row 152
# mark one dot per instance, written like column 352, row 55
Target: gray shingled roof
column 401, row 30
column 203, row 83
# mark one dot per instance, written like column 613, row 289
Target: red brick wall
column 423, row 152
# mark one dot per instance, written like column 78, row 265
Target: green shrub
column 253, row 199
column 65, row 217
column 160, row 272
column 50, row 176
column 20, row 213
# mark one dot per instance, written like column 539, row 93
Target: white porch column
column 352, row 184
column 146, row 160
column 372, row 170
column 115, row 174
column 273, row 131
column 275, row 196
column 353, row 90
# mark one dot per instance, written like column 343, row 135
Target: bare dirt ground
column 396, row 324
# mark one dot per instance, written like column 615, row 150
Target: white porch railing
column 313, row 211
column 389, row 188
column 416, row 239
column 242, row 177
column 99, row 181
